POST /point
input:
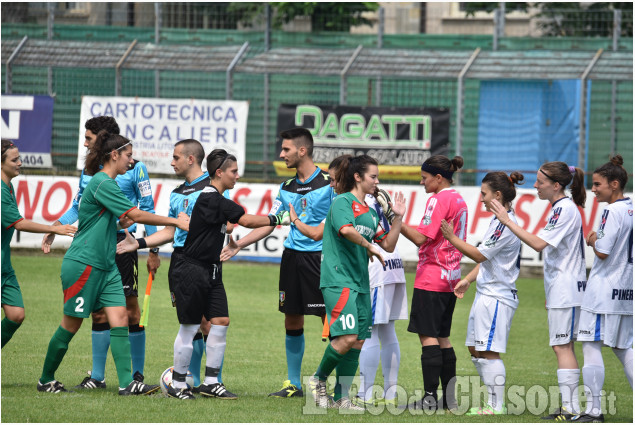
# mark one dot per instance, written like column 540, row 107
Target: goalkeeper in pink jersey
column 438, row 271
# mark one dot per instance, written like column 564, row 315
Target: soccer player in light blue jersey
column 311, row 195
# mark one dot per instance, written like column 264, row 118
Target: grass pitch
column 255, row 359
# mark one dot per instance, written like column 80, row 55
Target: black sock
column 448, row 372
column 431, row 364
column 98, row 327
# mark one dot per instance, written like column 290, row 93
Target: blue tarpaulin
column 523, row 124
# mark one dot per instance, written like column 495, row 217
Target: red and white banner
column 45, row 199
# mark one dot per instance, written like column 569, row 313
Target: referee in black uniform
column 200, row 290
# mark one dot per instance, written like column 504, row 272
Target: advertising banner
column 155, row 125
column 45, row 199
column 28, row 122
column 400, row 139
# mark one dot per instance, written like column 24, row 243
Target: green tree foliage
column 324, row 16
column 568, row 19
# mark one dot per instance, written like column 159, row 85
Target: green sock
column 55, row 353
column 345, row 373
column 120, row 348
column 329, row 361
column 8, row 329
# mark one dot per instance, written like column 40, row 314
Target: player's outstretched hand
column 373, row 251
column 282, row 218
column 461, row 287
column 447, row 229
column 129, row 244
column 184, row 222
column 399, row 205
column 47, row 240
column 65, row 229
column 499, row 211
column 229, row 250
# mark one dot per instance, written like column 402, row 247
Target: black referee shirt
column 208, row 225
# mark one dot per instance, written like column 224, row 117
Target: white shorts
column 563, row 325
column 389, row 302
column 489, row 324
column 614, row 330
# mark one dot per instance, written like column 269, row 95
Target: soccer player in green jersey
column 90, row 278
column 350, row 226
column 12, row 303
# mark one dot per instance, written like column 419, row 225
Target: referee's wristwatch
column 154, row 250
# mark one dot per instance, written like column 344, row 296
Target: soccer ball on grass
column 166, row 380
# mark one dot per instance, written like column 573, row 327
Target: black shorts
column 431, row 313
column 196, row 290
column 128, row 265
column 299, row 283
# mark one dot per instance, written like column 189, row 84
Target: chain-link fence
column 490, row 96
column 591, row 19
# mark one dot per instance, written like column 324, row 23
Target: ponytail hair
column 345, row 176
column 6, row 145
column 336, row 166
column 498, row 181
column 611, row 171
column 218, row 159
column 105, row 144
column 440, row 164
column 560, row 172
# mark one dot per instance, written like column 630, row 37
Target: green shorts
column 11, row 294
column 348, row 312
column 87, row 289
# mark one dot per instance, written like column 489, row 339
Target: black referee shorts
column 299, row 283
column 128, row 265
column 431, row 313
column 197, row 290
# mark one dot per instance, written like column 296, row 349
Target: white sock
column 494, row 377
column 390, row 358
column 593, row 376
column 626, row 357
column 214, row 352
column 183, row 351
column 568, row 381
column 477, row 365
column 368, row 363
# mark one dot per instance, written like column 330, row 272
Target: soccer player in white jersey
column 607, row 308
column 388, row 303
column 562, row 242
column 496, row 300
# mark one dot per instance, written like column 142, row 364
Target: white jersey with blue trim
column 563, row 257
column 393, row 272
column 498, row 274
column 610, row 286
